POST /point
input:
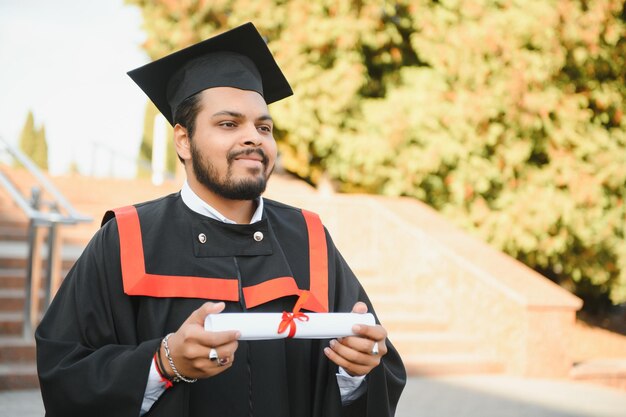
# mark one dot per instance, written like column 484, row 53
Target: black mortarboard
column 238, row 58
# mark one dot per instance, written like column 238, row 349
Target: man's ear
column 182, row 142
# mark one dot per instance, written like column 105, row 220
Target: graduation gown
column 96, row 342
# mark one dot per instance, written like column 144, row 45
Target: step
column 403, row 298
column 11, row 323
column 399, row 301
column 450, row 364
column 12, row 277
column 12, row 300
column 13, row 255
column 20, row 263
column 434, row 343
column 19, row 250
column 71, row 235
column 12, row 216
column 14, row 349
column 402, row 322
column 378, row 285
column 13, row 263
column 13, row 233
column 18, row 376
column 609, row 372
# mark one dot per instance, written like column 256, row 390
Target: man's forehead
column 234, row 101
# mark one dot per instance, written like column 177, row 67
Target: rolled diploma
column 260, row 326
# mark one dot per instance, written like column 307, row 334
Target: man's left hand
column 356, row 354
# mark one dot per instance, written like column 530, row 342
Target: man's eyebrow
column 237, row 115
column 229, row 113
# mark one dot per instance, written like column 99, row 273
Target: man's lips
column 253, row 155
column 249, row 158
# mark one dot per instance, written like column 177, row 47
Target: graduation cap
column 237, row 58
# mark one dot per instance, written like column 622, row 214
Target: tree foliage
column 33, row 142
column 505, row 115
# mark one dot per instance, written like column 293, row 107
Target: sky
column 66, row 60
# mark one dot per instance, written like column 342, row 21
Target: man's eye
column 228, row 124
column 265, row 128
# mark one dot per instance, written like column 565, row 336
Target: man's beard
column 242, row 189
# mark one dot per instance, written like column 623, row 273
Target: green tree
column 28, row 137
column 33, row 142
column 514, row 130
column 40, row 157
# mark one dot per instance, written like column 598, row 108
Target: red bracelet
column 164, row 379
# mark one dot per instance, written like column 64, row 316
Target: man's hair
column 186, row 115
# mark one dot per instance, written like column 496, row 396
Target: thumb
column 360, row 307
column 205, row 309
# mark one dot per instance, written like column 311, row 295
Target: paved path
column 502, row 396
column 467, row 396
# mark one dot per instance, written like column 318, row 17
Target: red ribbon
column 289, row 318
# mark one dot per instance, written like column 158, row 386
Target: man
column 124, row 336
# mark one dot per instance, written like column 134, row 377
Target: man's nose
column 252, row 136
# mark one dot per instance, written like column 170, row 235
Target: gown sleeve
column 89, row 358
column 385, row 382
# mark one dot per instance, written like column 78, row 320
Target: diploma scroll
column 260, row 326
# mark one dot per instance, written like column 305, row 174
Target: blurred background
column 505, row 116
column 486, row 137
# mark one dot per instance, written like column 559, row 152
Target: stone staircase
column 425, row 339
column 17, row 355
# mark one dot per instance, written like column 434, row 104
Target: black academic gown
column 95, row 344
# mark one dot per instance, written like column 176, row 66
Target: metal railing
column 41, row 214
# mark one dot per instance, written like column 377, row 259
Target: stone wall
column 400, row 246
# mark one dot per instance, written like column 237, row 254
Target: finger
column 354, row 362
column 218, row 339
column 199, row 355
column 224, row 350
column 192, row 344
column 363, row 345
column 224, row 361
column 376, row 332
column 209, row 369
column 359, row 350
column 360, row 307
column 203, row 360
column 221, row 356
column 351, row 368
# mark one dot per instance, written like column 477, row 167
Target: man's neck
column 239, row 211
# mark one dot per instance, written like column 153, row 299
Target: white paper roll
column 260, row 326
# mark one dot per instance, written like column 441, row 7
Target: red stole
column 138, row 282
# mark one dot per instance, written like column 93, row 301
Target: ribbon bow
column 289, row 318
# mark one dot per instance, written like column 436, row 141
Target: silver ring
column 213, row 354
column 375, row 349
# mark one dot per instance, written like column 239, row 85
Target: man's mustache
column 236, row 154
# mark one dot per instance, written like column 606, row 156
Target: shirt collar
column 198, row 205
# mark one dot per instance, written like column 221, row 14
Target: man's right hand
column 191, row 345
